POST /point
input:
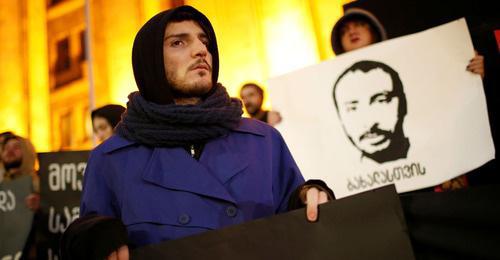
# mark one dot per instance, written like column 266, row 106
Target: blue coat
column 163, row 193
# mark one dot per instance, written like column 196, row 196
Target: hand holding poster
column 403, row 111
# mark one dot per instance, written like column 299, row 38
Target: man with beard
column 252, row 96
column 183, row 161
column 3, row 136
column 18, row 157
column 371, row 105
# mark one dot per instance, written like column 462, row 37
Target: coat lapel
column 222, row 160
column 173, row 168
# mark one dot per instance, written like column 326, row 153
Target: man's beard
column 186, row 90
column 252, row 110
column 397, row 149
column 182, row 89
column 12, row 165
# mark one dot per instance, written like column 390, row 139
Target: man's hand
column 120, row 254
column 476, row 65
column 313, row 197
column 273, row 117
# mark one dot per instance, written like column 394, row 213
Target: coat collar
column 247, row 125
column 252, row 126
column 114, row 143
column 174, row 168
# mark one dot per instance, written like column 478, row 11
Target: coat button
column 184, row 219
column 231, row 211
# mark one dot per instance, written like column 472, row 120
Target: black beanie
column 356, row 14
column 147, row 54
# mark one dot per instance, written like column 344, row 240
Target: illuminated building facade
column 45, row 77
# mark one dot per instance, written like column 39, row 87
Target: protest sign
column 402, row 111
column 61, row 176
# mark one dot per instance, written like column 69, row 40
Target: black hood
column 147, row 55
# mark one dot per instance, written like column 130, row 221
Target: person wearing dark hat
column 183, row 160
column 104, row 120
column 358, row 28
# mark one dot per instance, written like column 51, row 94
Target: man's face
column 12, row 152
column 102, row 128
column 251, row 99
column 368, row 109
column 188, row 64
column 355, row 35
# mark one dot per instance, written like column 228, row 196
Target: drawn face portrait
column 371, row 106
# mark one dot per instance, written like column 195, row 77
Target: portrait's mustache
column 200, row 63
column 374, row 130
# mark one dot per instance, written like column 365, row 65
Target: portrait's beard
column 12, row 165
column 375, row 131
column 398, row 145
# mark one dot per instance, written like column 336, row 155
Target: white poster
column 403, row 111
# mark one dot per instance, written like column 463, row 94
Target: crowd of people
column 181, row 159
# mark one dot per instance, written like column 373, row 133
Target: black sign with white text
column 61, row 177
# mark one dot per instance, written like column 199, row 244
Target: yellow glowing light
column 121, row 80
column 38, row 78
column 290, row 42
column 13, row 109
column 257, row 40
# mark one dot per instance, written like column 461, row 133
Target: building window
column 69, row 56
column 51, row 3
column 65, row 128
column 83, row 50
column 63, row 62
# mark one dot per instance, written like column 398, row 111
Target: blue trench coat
column 163, row 193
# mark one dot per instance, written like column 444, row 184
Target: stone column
column 38, row 74
column 14, row 101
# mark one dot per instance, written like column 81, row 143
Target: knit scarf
column 171, row 125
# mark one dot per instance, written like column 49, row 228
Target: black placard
column 369, row 225
column 61, row 176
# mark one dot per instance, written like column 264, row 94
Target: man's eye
column 176, row 43
column 205, row 42
column 351, row 108
column 383, row 99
